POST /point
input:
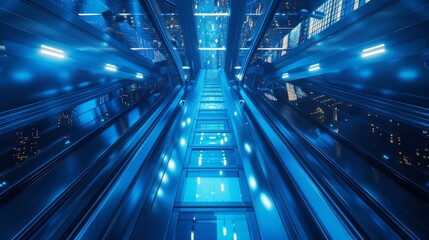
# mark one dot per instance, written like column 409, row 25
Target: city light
column 237, row 67
column 139, row 75
column 314, row 67
column 52, row 51
column 186, row 67
column 110, row 67
column 373, row 51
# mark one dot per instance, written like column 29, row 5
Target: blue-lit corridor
column 214, row 119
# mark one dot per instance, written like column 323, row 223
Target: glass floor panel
column 213, row 139
column 212, row 114
column 212, row 125
column 213, row 225
column 212, row 99
column 208, row 93
column 212, row 158
column 212, row 186
column 212, row 89
column 212, row 106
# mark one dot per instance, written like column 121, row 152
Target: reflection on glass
column 213, row 225
column 212, row 125
column 171, row 18
column 219, row 186
column 212, row 158
column 29, row 147
column 211, row 18
column 213, row 139
column 212, row 114
column 212, row 106
column 124, row 21
column 402, row 147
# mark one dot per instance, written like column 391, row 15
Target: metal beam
column 154, row 14
column 235, row 23
column 259, row 31
column 189, row 30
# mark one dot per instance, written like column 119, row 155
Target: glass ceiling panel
column 169, row 13
column 211, row 18
column 252, row 14
column 289, row 15
column 125, row 21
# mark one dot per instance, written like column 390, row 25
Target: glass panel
column 212, row 114
column 171, row 18
column 212, row 125
column 30, row 147
column 287, row 17
column 212, row 158
column 213, row 186
column 213, row 139
column 253, row 12
column 211, row 94
column 213, row 106
column 211, row 18
column 212, row 89
column 124, row 21
column 211, row 99
column 212, row 225
column 402, row 147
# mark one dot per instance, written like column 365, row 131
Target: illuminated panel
column 212, row 186
column 212, row 158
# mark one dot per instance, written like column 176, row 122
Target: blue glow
column 84, row 84
column 408, row 75
column 248, row 148
column 188, row 120
column 285, row 75
column 139, row 76
column 314, row 67
column 22, row 76
column 266, row 201
column 172, row 165
column 67, row 142
column 373, row 51
column 182, row 142
column 53, row 52
column 385, row 157
column 252, row 183
column 111, row 67
column 183, row 124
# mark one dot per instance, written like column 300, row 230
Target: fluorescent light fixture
column 212, row 14
column 237, row 67
column 52, row 51
column 373, row 51
column 139, row 75
column 222, row 187
column 285, row 75
column 224, row 230
column 186, row 67
column 314, row 67
column 110, row 67
column 212, row 49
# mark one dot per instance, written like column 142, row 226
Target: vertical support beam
column 189, row 30
column 237, row 9
column 154, row 14
column 259, row 32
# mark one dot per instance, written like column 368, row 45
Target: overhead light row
column 58, row 53
column 372, row 51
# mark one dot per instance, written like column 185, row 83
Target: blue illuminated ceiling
column 125, row 21
column 211, row 18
